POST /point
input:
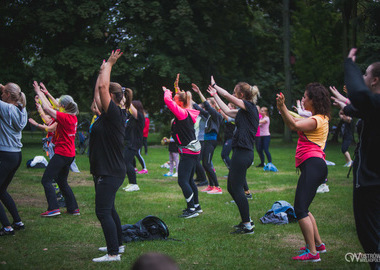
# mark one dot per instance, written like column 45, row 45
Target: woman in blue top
column 246, row 120
column 13, row 118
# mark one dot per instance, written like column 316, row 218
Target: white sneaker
column 348, row 164
column 323, row 188
column 132, row 187
column 104, row 249
column 107, row 258
column 175, row 174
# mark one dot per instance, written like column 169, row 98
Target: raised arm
column 104, row 78
column 133, row 111
column 338, row 97
column 196, row 90
column 307, row 124
column 52, row 100
column 224, row 93
column 223, row 106
column 44, row 104
column 47, row 128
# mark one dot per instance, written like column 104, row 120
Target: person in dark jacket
column 212, row 126
column 364, row 94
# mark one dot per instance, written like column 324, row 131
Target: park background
column 277, row 45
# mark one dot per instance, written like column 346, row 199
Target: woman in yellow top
column 310, row 159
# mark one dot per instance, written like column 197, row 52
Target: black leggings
column 208, row 152
column 241, row 160
column 129, row 157
column 199, row 170
column 140, row 159
column 9, row 163
column 105, row 192
column 58, row 169
column 186, row 169
column 313, row 174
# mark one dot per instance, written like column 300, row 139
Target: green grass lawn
column 70, row 242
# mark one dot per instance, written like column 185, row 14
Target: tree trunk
column 287, row 132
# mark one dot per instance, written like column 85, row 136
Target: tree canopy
column 62, row 43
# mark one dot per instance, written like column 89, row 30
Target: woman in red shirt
column 59, row 165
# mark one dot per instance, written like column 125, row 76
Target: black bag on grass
column 149, row 228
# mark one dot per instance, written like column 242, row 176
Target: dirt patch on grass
column 293, row 240
column 272, row 189
column 83, row 179
column 28, row 200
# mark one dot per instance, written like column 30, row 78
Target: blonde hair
column 250, row 93
column 185, row 98
column 15, row 93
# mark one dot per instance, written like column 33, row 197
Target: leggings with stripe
column 186, row 169
column 241, row 160
column 208, row 152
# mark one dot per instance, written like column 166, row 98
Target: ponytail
column 22, row 100
column 255, row 93
column 127, row 97
column 250, row 93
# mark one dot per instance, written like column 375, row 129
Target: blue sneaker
column 169, row 174
column 51, row 213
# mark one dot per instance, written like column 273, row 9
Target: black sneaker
column 203, row 183
column 198, row 209
column 187, row 213
column 244, row 230
column 17, row 227
column 241, row 225
column 248, row 196
column 3, row 232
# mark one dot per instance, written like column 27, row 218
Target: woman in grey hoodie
column 13, row 118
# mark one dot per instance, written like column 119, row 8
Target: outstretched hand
column 336, row 96
column 211, row 90
column 33, row 122
column 36, row 87
column 43, row 88
column 352, row 54
column 338, row 103
column 164, row 88
column 280, row 100
column 114, row 56
column 195, row 88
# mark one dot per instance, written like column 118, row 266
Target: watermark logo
column 362, row 257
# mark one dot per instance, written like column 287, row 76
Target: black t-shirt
column 134, row 131
column 229, row 128
column 246, row 122
column 107, row 143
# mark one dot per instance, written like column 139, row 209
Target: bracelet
column 346, row 101
column 214, row 85
column 213, row 94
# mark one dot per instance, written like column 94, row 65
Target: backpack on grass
column 148, row 228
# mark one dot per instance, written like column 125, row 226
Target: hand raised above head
column 280, row 100
column 114, row 56
column 36, row 86
column 211, row 90
column 43, row 88
column 352, row 54
column 164, row 88
column 195, row 88
column 212, row 81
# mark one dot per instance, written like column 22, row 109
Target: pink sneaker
column 321, row 248
column 143, row 171
column 307, row 257
column 215, row 190
column 136, row 170
column 207, row 189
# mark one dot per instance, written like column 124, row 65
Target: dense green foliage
column 63, row 43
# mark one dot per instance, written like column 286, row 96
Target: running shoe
column 321, row 248
column 74, row 213
column 198, row 209
column 348, row 164
column 131, row 187
column 241, row 224
column 248, row 195
column 143, row 171
column 323, row 188
column 3, row 232
column 207, row 189
column 18, row 226
column 244, row 230
column 175, row 174
column 169, row 174
column 188, row 213
column 107, row 258
column 215, row 190
column 51, row 213
column 307, row 257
